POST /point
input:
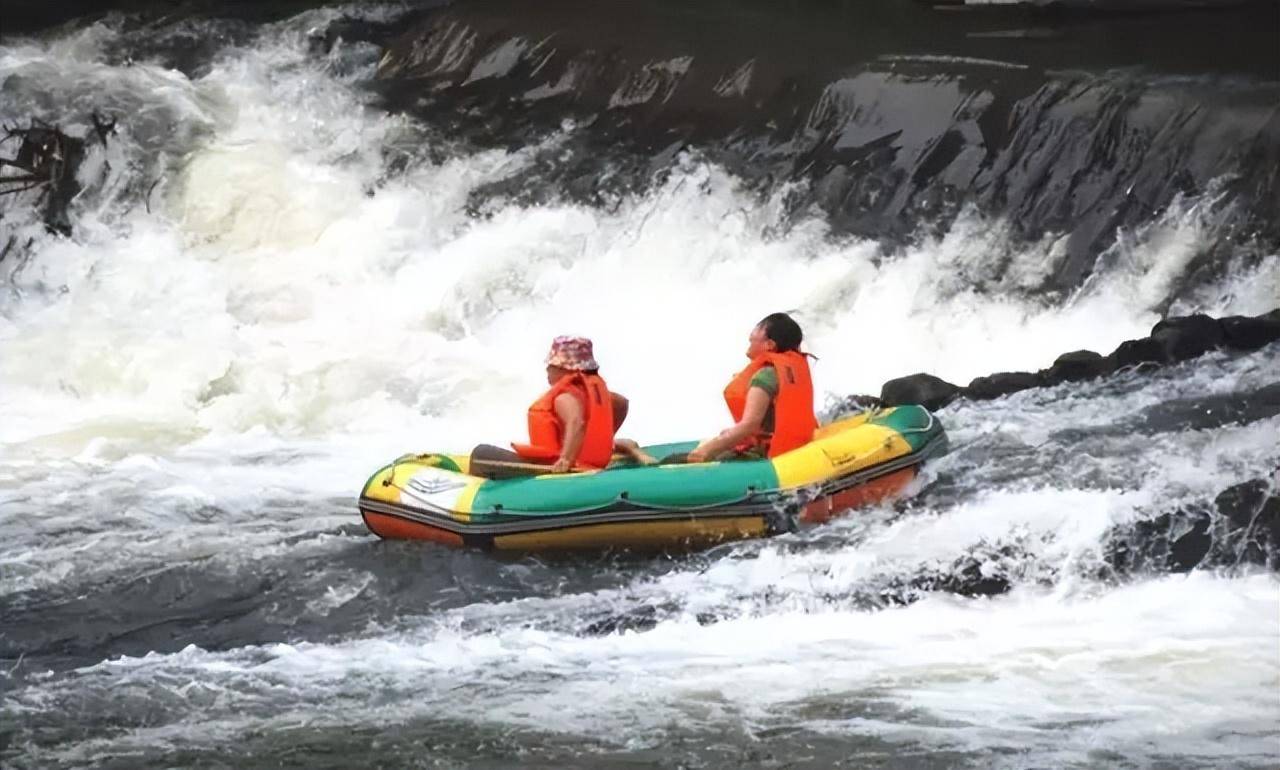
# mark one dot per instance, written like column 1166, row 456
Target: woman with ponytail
column 771, row 400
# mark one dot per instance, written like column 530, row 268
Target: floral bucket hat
column 572, row 353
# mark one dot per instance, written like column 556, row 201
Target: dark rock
column 353, row 30
column 923, row 389
column 1236, row 407
column 1141, row 352
column 1251, row 513
column 1181, row 338
column 1242, row 528
column 1171, row 542
column 969, row 578
column 883, row 144
column 986, row 569
column 1246, row 333
column 1077, row 365
column 1171, row 340
column 1188, row 336
column 1083, row 8
column 1001, row 384
column 1189, row 548
column 640, row 618
column 31, row 15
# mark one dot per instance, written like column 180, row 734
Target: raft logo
column 431, row 485
column 840, row 460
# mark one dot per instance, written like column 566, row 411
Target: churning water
column 274, row 287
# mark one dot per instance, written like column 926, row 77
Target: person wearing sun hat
column 572, row 354
column 572, row 425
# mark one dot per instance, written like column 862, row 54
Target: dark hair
column 783, row 330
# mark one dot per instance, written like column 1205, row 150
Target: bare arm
column 569, row 410
column 758, row 400
column 620, row 408
column 626, row 446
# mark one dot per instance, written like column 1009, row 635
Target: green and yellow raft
column 851, row 462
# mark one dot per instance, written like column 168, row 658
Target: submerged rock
column 1242, row 527
column 1252, row 515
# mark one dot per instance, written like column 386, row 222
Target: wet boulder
column 1173, row 339
column 1249, row 333
column 1142, row 352
column 924, row 389
column 354, row 30
column 1251, row 517
column 1240, row 407
column 1188, row 336
column 1076, row 366
column 1171, row 542
column 971, row 575
column 1001, row 384
column 985, row 569
column 1190, row 542
column 1180, row 338
column 1241, row 527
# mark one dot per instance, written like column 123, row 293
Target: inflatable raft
column 855, row 461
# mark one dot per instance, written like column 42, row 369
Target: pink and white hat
column 572, row 353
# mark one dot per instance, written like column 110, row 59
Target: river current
column 275, row 285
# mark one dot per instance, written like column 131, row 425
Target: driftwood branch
column 103, row 128
column 42, row 154
column 46, row 160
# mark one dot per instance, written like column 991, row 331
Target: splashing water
column 260, row 304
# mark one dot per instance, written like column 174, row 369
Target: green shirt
column 766, row 378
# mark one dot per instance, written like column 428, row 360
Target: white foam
column 976, row 674
column 290, row 315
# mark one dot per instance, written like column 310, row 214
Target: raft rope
column 390, row 480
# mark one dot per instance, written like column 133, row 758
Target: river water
column 274, row 286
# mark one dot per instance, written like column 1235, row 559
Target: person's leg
column 754, row 453
column 631, row 449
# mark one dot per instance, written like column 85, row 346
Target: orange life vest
column 546, row 432
column 793, row 420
